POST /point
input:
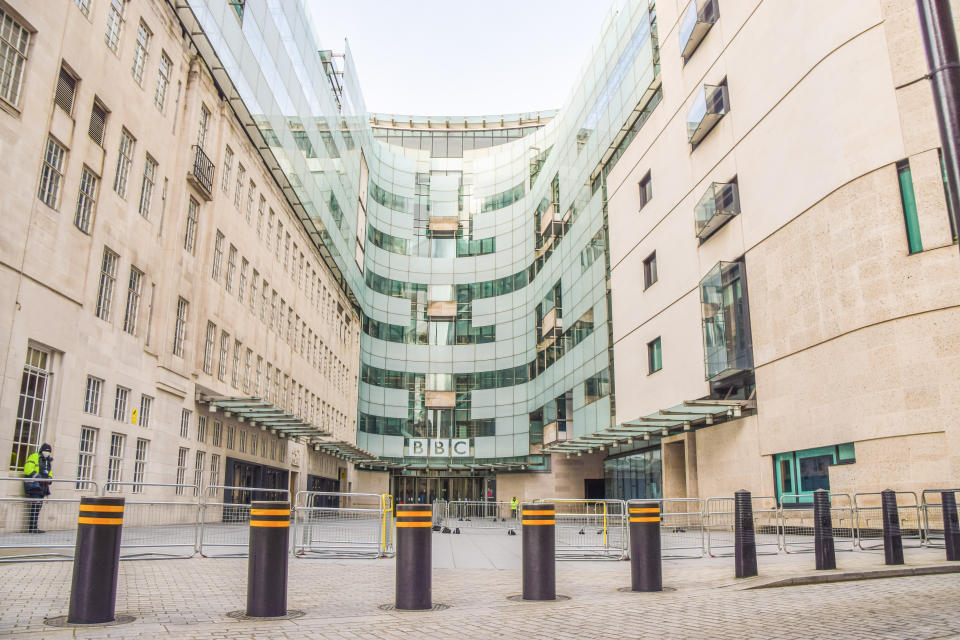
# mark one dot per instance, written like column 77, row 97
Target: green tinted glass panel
column 909, row 200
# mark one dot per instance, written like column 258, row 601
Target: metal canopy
column 343, row 449
column 260, row 413
column 683, row 417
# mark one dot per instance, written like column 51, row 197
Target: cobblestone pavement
column 190, row 599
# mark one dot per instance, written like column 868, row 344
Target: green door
column 803, row 472
column 784, row 470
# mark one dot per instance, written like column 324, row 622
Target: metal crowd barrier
column 340, row 525
column 933, row 516
column 157, row 525
column 718, row 523
column 56, row 519
column 225, row 517
column 796, row 524
column 870, row 520
column 440, row 508
column 590, row 528
column 480, row 514
column 681, row 527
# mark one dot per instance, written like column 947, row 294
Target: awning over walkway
column 683, row 417
column 344, row 449
column 442, row 464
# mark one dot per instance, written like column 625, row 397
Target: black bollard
column 414, row 558
column 269, row 554
column 645, row 565
column 539, row 565
column 96, row 563
column 824, row 551
column 892, row 539
column 951, row 528
column 744, row 541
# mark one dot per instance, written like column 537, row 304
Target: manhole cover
column 61, row 621
column 519, row 598
column 242, row 615
column 437, row 606
column 630, row 590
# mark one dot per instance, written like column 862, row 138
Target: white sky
column 453, row 57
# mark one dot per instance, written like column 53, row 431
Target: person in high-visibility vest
column 39, row 469
column 514, row 503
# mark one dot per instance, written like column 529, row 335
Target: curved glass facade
column 474, row 248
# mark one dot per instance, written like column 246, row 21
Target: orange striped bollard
column 414, row 557
column 96, row 562
column 539, row 544
column 268, row 557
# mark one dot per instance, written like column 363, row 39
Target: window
column 163, row 81
column 242, row 444
column 646, row 190
column 66, row 90
column 709, row 106
column 114, row 24
column 263, row 301
column 654, row 356
column 146, row 404
column 224, row 347
column 140, row 53
column 86, row 199
column 85, row 456
column 120, row 404
column 51, row 176
column 140, row 464
column 253, row 442
column 185, row 423
column 238, row 6
column 269, row 236
column 180, row 327
column 115, row 461
column 256, row 380
column 190, row 236
column 909, row 201
column 231, row 431
column 241, row 176
column 217, row 256
column 260, row 214
column 208, row 348
column 124, row 162
column 217, row 431
column 650, row 270
column 244, row 265
column 14, row 39
column 286, row 252
column 204, row 126
column 98, row 122
column 250, row 191
column 198, row 472
column 231, row 267
column 227, row 167
column 181, row 469
column 214, row 469
column 31, row 408
column 201, row 428
column 247, row 366
column 276, row 253
column 130, row 314
column 698, row 18
column 108, row 280
column 146, row 186
column 235, row 375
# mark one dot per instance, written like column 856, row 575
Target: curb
column 824, row 578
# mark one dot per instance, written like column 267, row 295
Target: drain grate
column 437, row 606
column 61, row 621
column 242, row 615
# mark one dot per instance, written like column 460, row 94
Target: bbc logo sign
column 438, row 447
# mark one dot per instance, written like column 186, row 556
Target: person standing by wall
column 39, row 469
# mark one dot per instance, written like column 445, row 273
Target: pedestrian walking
column 39, row 469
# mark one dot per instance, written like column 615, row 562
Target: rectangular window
column 85, row 456
column 214, row 469
column 108, row 281
column 120, row 404
column 201, row 428
column 14, row 39
column 98, row 122
column 114, row 24
column 163, row 81
column 253, row 292
column 909, row 201
column 646, row 190
column 263, row 301
column 124, row 162
column 235, row 376
column 140, row 53
column 115, row 461
column 276, row 253
column 185, row 423
column 227, row 167
column 247, row 366
column 203, row 127
column 244, row 265
column 180, row 327
column 231, row 267
column 224, row 348
column 217, row 431
column 190, row 236
column 217, row 256
column 251, row 190
column 260, row 214
column 654, row 356
column 208, row 348
column 267, row 240
column 198, row 472
column 256, row 380
column 146, row 186
column 51, row 175
column 181, row 469
column 31, row 408
column 146, row 405
column 140, row 464
column 86, row 199
column 66, row 90
column 650, row 270
column 238, row 193
column 132, row 310
column 231, row 432
column 286, row 252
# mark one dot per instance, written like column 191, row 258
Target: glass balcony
column 698, row 18
column 710, row 105
column 725, row 311
column 720, row 203
column 201, row 172
column 444, row 226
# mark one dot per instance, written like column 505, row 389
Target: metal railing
column 154, row 525
column 480, row 514
column 681, row 527
column 932, row 508
column 202, row 169
column 870, row 519
column 796, row 524
column 340, row 525
column 224, row 524
column 590, row 528
column 718, row 523
column 55, row 518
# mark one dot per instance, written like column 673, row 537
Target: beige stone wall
column 904, row 463
column 729, row 459
column 565, row 479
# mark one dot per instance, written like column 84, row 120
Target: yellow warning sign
column 133, row 416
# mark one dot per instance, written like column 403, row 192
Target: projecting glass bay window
column 719, row 204
column 698, row 18
column 709, row 106
column 725, row 312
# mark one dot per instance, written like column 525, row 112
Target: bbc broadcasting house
column 726, row 262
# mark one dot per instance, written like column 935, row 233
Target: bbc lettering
column 438, row 447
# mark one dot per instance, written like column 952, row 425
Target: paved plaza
column 475, row 573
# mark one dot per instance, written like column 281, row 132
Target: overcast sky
column 451, row 57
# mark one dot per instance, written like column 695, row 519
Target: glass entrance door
column 802, row 473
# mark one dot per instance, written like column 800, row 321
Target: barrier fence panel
column 796, row 524
column 387, row 545
column 932, row 508
column 718, row 524
column 681, row 527
column 440, row 508
column 590, row 528
column 480, row 514
column 225, row 518
column 331, row 524
column 55, row 534
column 159, row 519
column 869, row 517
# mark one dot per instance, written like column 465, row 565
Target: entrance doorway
column 244, row 474
column 425, row 490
